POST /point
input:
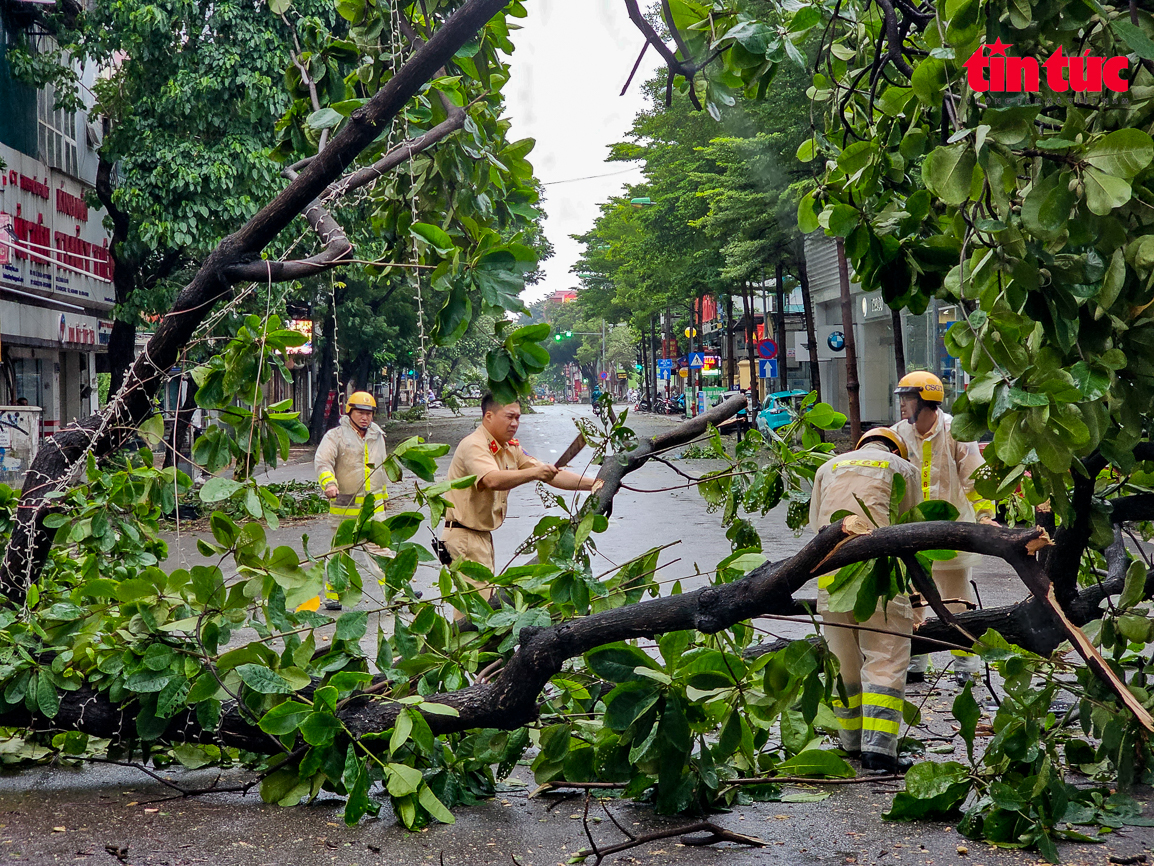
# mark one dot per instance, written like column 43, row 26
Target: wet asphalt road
column 101, row 814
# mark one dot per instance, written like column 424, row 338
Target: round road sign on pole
column 604, row 375
column 767, row 349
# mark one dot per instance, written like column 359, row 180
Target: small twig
column 717, row 834
column 588, row 832
column 483, row 676
column 636, row 66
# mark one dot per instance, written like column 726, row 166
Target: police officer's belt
column 452, row 524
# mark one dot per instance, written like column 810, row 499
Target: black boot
column 876, row 762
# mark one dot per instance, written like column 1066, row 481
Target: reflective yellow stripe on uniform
column 927, row 457
column 854, row 702
column 882, row 726
column 326, row 478
column 368, row 469
column 981, row 504
column 880, row 464
column 873, row 699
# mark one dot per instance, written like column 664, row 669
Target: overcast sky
column 571, row 62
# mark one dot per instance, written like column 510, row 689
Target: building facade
column 874, row 335
column 56, row 293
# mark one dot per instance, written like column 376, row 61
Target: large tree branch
column 1070, row 540
column 512, row 699
column 675, row 65
column 617, row 466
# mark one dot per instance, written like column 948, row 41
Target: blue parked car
column 776, row 409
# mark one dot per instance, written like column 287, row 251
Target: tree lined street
column 656, row 638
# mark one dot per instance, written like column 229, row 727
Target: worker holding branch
column 493, row 454
column 872, row 663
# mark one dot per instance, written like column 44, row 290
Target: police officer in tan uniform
column 493, row 454
column 873, row 664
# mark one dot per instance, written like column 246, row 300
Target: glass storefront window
column 29, row 376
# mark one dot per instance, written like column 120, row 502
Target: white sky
column 571, row 62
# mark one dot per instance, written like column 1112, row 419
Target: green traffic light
column 568, row 333
column 557, row 337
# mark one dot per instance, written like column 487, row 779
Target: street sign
column 767, row 349
column 621, row 374
column 604, row 375
column 683, row 373
column 665, row 365
column 663, row 374
column 767, row 369
column 696, row 360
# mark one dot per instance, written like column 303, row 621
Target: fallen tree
column 102, row 642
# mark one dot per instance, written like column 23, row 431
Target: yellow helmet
column 360, row 400
column 925, row 385
column 889, row 436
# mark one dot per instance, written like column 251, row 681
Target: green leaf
column 216, row 489
column 402, row 780
column 617, row 662
column 351, row 10
column 435, row 807
column 263, row 680
column 47, row 699
column 628, row 702
column 929, row 81
column 324, row 118
column 284, row 718
column 352, row 625
column 319, row 729
column 932, row 790
column 967, row 712
column 949, row 172
column 816, row 762
column 434, row 236
column 1122, row 153
column 843, row 219
column 1133, row 591
column 1105, row 192
column 1138, row 41
column 807, row 215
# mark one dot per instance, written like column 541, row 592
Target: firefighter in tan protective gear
column 873, row 664
column 945, row 471
column 350, row 464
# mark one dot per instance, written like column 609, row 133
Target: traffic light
column 637, row 367
column 568, row 333
column 558, row 337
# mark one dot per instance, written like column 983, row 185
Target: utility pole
column 779, row 327
column 731, row 362
column 852, row 386
column 604, row 369
column 653, row 355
